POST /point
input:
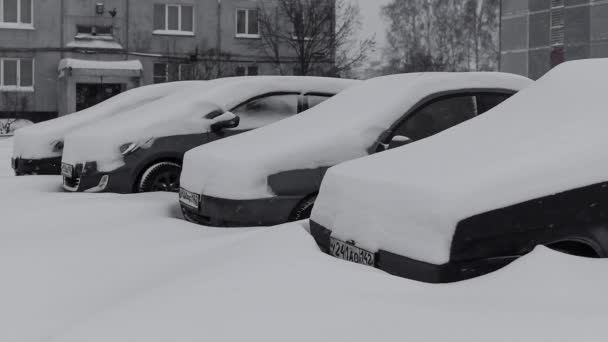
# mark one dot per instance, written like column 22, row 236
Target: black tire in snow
column 163, row 176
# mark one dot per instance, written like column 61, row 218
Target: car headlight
column 57, row 145
column 128, row 148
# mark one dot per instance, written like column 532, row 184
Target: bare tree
column 15, row 104
column 450, row 35
column 318, row 36
column 205, row 65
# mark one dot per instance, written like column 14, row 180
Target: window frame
column 180, row 72
column 18, row 87
column 385, row 138
column 306, row 104
column 246, row 70
column 246, row 35
column 154, row 76
column 482, row 106
column 18, row 25
column 413, row 114
column 269, row 94
column 180, row 31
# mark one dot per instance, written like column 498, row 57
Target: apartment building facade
column 60, row 56
column 536, row 35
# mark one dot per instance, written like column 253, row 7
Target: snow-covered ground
column 124, row 268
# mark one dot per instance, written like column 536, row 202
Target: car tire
column 304, row 209
column 163, row 176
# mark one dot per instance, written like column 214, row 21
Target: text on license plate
column 188, row 198
column 67, row 170
column 348, row 252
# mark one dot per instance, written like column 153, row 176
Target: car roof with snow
column 37, row 141
column 185, row 112
column 342, row 128
column 548, row 138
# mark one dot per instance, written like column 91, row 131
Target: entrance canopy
column 132, row 68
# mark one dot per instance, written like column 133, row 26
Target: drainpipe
column 499, row 35
column 218, row 46
column 127, row 23
column 61, row 29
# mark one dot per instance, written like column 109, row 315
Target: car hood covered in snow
column 180, row 114
column 341, row 128
column 548, row 138
column 38, row 141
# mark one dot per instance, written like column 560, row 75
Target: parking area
column 105, row 267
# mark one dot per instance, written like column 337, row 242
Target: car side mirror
column 398, row 141
column 225, row 121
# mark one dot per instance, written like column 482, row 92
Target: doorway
column 88, row 95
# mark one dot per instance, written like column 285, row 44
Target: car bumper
column 405, row 267
column 44, row 166
column 86, row 178
column 220, row 212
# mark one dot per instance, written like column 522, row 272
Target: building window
column 169, row 72
column 557, row 23
column 16, row 74
column 94, row 30
column 247, row 23
column 161, row 73
column 16, row 14
column 174, row 19
column 185, row 72
column 251, row 70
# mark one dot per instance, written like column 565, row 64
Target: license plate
column 189, row 198
column 67, row 170
column 348, row 252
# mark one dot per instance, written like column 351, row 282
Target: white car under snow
column 271, row 175
column 38, row 148
column 532, row 171
column 142, row 150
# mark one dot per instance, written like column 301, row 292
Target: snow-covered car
column 533, row 171
column 142, row 151
column 272, row 175
column 38, row 148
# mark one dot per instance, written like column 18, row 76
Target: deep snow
column 122, row 268
column 548, row 138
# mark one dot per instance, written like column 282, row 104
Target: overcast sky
column 372, row 21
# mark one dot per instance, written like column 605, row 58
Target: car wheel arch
column 299, row 210
column 577, row 246
column 144, row 166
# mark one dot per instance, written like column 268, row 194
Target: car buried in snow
column 272, row 175
column 142, row 150
column 38, row 148
column 532, row 171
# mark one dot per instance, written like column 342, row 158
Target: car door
column 431, row 118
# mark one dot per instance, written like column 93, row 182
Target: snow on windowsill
column 95, row 44
column 17, row 89
column 173, row 33
column 247, row 36
column 17, row 26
